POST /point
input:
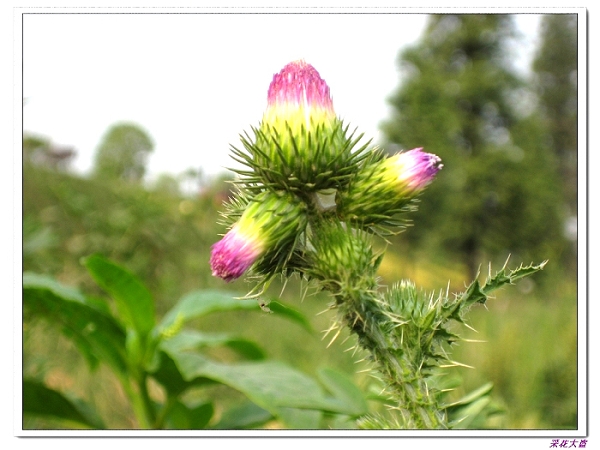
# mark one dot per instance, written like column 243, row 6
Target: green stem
column 137, row 403
column 149, row 411
column 366, row 317
column 344, row 263
column 160, row 419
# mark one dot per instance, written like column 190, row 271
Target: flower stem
column 368, row 317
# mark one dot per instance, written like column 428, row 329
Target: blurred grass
column 530, row 355
column 531, row 330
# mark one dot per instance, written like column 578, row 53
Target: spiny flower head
column 265, row 233
column 384, row 186
column 300, row 144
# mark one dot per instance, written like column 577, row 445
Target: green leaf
column 245, row 348
column 468, row 414
column 193, row 340
column 200, row 303
column 473, row 294
column 245, row 416
column 203, row 302
column 40, row 400
column 271, row 385
column 344, row 389
column 470, row 397
column 301, row 419
column 167, row 373
column 133, row 300
column 291, row 314
column 184, row 417
column 98, row 336
column 501, row 278
column 34, row 280
column 472, row 409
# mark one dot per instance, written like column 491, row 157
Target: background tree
column 167, row 184
column 42, row 152
column 555, row 79
column 460, row 99
column 122, row 153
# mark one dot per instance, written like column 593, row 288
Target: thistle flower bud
column 299, row 97
column 265, row 234
column 342, row 257
column 300, row 143
column 384, row 186
column 410, row 172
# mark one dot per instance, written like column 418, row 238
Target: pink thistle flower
column 411, row 171
column 235, row 253
column 298, row 95
column 300, row 141
column 268, row 226
column 384, row 186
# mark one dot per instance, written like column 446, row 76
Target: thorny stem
column 364, row 315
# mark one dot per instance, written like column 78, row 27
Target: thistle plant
column 310, row 201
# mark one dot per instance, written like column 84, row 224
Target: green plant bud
column 265, row 234
column 385, row 186
column 342, row 256
column 300, row 144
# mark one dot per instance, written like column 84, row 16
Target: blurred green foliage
column 508, row 187
column 164, row 239
column 121, row 331
column 499, row 192
column 555, row 83
column 122, row 153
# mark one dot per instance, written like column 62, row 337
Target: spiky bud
column 300, row 145
column 385, row 185
column 264, row 234
column 342, row 257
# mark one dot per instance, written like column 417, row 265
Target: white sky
column 194, row 82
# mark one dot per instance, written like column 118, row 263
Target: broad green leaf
column 133, row 300
column 245, row 348
column 193, row 340
column 291, row 314
column 473, row 412
column 167, row 373
column 200, row 303
column 185, row 417
column 271, row 385
column 34, row 280
column 97, row 335
column 40, row 400
column 245, row 416
column 344, row 389
column 203, row 302
column 301, row 419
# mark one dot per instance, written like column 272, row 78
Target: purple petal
column 233, row 255
column 299, row 84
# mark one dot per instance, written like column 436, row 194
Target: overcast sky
column 194, row 82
